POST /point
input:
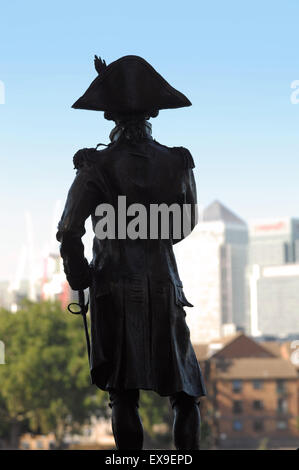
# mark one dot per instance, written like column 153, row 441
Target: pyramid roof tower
column 216, row 211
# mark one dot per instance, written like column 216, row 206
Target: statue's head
column 129, row 89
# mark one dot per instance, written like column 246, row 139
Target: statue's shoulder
column 187, row 159
column 87, row 157
column 184, row 156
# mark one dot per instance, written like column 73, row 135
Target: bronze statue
column 139, row 336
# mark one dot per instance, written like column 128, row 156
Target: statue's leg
column 186, row 424
column 126, row 423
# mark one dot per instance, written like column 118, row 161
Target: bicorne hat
column 130, row 85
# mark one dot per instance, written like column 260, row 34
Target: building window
column 237, row 386
column 237, row 406
column 282, row 425
column 257, row 384
column 39, row 444
column 25, row 445
column 258, row 405
column 282, row 405
column 87, row 432
column 286, row 253
column 237, row 425
column 258, row 425
column 280, row 386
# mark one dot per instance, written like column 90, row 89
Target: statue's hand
column 82, row 279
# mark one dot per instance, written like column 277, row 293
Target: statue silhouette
column 139, row 336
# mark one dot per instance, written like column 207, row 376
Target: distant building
column 274, row 300
column 95, row 435
column 273, row 277
column 54, row 285
column 6, row 297
column 212, row 262
column 253, row 392
column 37, row 442
column 50, row 285
column 10, row 298
column 274, row 242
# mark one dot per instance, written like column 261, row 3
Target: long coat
column 139, row 336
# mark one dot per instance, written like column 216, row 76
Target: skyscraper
column 273, row 277
column 274, row 241
column 212, row 262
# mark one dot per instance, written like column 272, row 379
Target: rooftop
column 217, row 211
column 256, row 368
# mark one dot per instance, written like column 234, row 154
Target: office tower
column 273, row 277
column 212, row 262
column 274, row 241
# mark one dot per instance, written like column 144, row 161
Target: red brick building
column 253, row 393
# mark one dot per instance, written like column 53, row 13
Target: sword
column 77, row 308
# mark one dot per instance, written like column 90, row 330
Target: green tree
column 157, row 419
column 45, row 385
column 156, row 411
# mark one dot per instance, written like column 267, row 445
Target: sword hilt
column 81, row 308
column 77, row 308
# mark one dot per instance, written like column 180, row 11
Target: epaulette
column 84, row 157
column 188, row 161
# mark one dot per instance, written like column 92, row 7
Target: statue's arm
column 191, row 199
column 81, row 202
column 189, row 209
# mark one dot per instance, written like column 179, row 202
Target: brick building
column 253, row 393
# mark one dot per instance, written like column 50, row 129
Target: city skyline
column 214, row 314
column 242, row 128
column 49, row 243
column 213, row 264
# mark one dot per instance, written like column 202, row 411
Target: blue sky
column 234, row 60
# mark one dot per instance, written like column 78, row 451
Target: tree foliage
column 45, row 384
column 156, row 411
